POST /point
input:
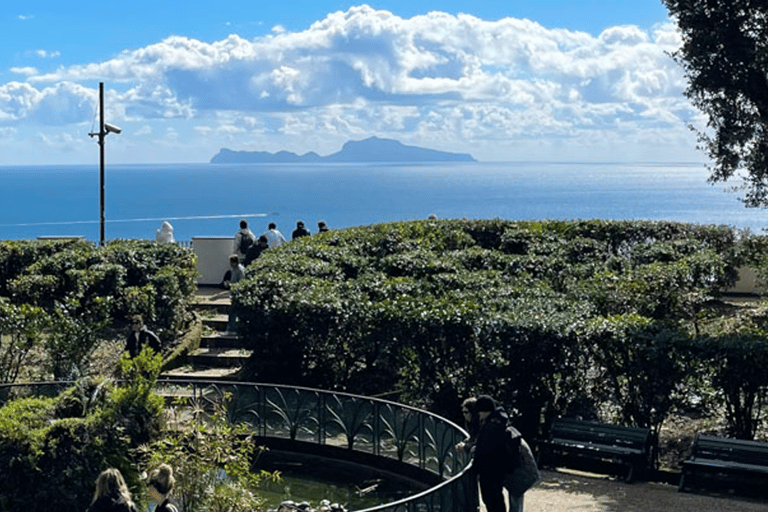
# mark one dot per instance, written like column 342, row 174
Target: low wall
column 213, row 254
column 748, row 283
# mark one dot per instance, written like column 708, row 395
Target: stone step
column 190, row 373
column 220, row 340
column 215, row 357
column 215, row 321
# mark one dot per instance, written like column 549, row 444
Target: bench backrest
column 601, row 433
column 731, row 450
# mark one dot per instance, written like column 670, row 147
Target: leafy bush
column 87, row 291
column 52, row 449
column 435, row 310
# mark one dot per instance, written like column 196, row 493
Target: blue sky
column 548, row 80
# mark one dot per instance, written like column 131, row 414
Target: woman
column 111, row 493
column 159, row 487
column 471, row 424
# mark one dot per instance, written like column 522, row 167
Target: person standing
column 491, row 460
column 237, row 274
column 140, row 337
column 111, row 494
column 243, row 240
column 159, row 487
column 471, row 425
column 322, row 227
column 300, row 230
column 274, row 237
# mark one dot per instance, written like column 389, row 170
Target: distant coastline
column 372, row 149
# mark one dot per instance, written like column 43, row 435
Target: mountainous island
column 372, row 149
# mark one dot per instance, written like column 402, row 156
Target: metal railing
column 350, row 422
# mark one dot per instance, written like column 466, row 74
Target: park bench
column 724, row 461
column 629, row 446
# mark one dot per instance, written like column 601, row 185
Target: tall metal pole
column 102, row 133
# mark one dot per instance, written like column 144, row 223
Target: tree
column 725, row 58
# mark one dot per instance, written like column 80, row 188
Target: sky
column 511, row 80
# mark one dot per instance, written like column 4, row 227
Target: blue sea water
column 209, row 199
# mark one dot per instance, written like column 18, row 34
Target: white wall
column 212, row 258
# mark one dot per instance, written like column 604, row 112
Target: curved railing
column 372, row 426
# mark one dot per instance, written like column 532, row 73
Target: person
column 471, row 425
column 237, row 274
column 491, row 460
column 300, row 231
column 244, row 238
column 322, row 227
column 255, row 250
column 111, row 494
column 140, row 337
column 164, row 235
column 274, row 237
column 159, row 487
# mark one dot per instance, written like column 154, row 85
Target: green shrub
column 432, row 311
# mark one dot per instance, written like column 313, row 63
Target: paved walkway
column 565, row 491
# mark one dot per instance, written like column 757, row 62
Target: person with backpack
column 243, row 240
column 491, row 461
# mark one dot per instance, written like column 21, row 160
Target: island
column 372, row 149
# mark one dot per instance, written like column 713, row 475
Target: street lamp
column 104, row 129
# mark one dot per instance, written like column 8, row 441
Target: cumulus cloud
column 364, row 71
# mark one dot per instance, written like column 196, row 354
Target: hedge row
column 596, row 318
column 67, row 294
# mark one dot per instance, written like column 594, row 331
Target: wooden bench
column 735, row 462
column 630, row 446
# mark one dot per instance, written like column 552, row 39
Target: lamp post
column 104, row 129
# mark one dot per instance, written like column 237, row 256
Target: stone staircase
column 219, row 356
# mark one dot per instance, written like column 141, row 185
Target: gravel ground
column 561, row 491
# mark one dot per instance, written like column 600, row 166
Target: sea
column 202, row 200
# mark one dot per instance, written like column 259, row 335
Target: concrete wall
column 749, row 283
column 213, row 254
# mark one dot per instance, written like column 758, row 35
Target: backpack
column 524, row 472
column 246, row 240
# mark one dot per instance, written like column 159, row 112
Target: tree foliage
column 725, row 58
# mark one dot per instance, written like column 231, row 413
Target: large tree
column 725, row 57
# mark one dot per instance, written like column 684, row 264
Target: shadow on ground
column 561, row 491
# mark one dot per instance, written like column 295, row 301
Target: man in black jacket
column 140, row 337
column 491, row 460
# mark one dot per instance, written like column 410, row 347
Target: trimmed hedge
column 531, row 312
column 86, row 291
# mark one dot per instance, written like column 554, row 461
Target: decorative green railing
column 345, row 421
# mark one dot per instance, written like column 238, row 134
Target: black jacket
column 107, row 504
column 490, row 453
column 146, row 338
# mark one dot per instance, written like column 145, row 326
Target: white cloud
column 439, row 80
column 46, row 54
column 28, row 70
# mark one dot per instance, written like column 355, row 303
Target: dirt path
column 561, row 492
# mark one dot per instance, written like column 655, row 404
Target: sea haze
column 209, row 199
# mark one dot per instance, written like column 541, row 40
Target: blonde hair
column 110, row 483
column 161, row 478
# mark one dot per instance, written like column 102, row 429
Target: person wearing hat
column 300, row 231
column 491, row 460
